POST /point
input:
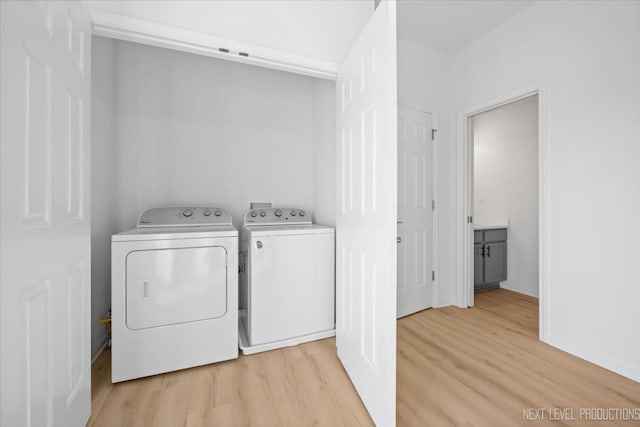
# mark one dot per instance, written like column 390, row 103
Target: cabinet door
column 478, row 265
column 495, row 262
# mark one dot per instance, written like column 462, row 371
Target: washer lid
column 171, row 233
column 184, row 216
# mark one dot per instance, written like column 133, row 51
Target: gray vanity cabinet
column 478, row 264
column 489, row 258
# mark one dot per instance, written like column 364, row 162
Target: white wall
column 102, row 188
column 506, row 185
column 197, row 130
column 423, row 82
column 170, row 128
column 324, row 152
column 588, row 54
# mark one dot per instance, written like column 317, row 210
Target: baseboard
column 528, row 292
column 621, row 368
column 443, row 303
column 100, row 349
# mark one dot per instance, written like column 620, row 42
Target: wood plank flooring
column 483, row 366
column 477, row 367
column 297, row 386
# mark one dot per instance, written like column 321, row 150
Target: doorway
column 505, row 197
column 467, row 202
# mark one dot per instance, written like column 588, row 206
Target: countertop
column 489, row 227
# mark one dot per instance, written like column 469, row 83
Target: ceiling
column 322, row 29
column 449, row 25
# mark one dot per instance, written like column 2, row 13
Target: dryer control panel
column 184, row 216
column 276, row 216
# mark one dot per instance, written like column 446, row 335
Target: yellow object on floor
column 107, row 322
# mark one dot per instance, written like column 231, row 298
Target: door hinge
column 470, row 220
column 433, row 275
column 433, row 134
column 433, row 205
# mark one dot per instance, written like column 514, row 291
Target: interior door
column 44, row 214
column 415, row 211
column 367, row 212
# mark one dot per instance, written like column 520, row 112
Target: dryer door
column 170, row 286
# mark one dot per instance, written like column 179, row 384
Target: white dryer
column 174, row 292
column 287, row 279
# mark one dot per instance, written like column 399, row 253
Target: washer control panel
column 277, row 216
column 187, row 216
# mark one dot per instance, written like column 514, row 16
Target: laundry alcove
column 172, row 128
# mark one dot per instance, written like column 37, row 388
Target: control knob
column 254, row 214
column 187, row 213
column 293, row 213
column 278, row 213
column 207, row 212
column 301, row 213
column 218, row 212
column 263, row 214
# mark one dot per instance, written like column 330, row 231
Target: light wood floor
column 477, row 367
column 295, row 386
column 483, row 366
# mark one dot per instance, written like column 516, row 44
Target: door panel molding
column 38, row 354
column 37, row 138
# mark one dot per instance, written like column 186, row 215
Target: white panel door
column 415, row 213
column 44, row 214
column 366, row 215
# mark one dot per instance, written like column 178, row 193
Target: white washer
column 287, row 279
column 174, row 292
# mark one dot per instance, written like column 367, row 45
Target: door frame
column 464, row 175
column 121, row 27
column 434, row 193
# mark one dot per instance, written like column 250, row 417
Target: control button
column 218, row 212
column 207, row 212
column 263, row 214
column 301, row 213
column 293, row 213
column 187, row 213
column 278, row 213
column 254, row 214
